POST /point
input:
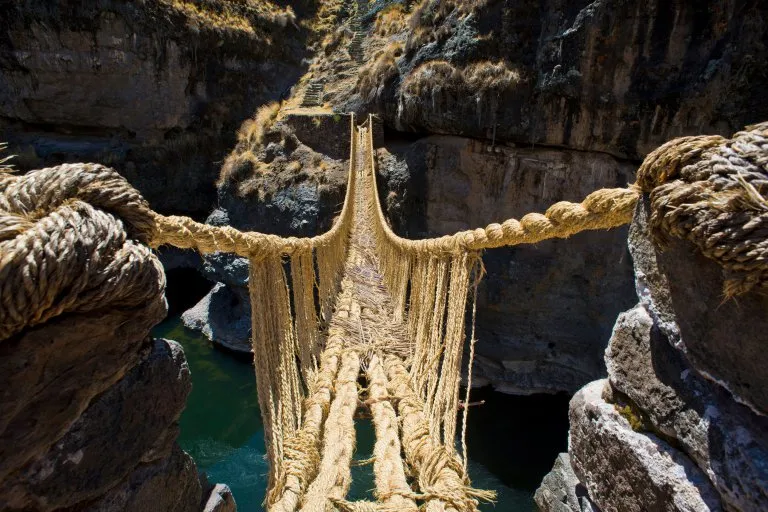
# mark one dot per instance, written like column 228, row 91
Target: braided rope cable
column 713, row 192
column 72, row 259
column 443, row 484
column 392, row 487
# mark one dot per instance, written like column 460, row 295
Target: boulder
column 227, row 268
column 224, row 317
column 561, row 491
column 628, row 471
column 683, row 292
column 725, row 439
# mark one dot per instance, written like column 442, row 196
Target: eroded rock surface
column 682, row 405
column 725, row 439
column 589, row 75
column 137, row 414
column 683, row 291
column 561, row 490
column 630, row 471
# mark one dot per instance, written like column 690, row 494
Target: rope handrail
column 185, row 233
column 602, row 209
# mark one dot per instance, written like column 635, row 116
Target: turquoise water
column 221, row 429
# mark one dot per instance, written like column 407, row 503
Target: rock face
column 140, row 86
column 543, row 311
column 687, row 301
column 627, row 470
column 220, row 500
column 561, row 490
column 678, row 417
column 590, row 75
column 89, row 410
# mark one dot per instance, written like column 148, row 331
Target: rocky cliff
column 533, row 103
column 90, row 403
column 615, row 77
column 155, row 88
column 681, row 421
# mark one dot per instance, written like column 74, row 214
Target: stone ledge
column 725, row 439
column 628, row 471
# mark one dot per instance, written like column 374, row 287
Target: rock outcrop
column 155, row 89
column 561, row 490
column 297, row 192
column 90, row 413
column 588, row 75
column 680, row 423
column 90, row 404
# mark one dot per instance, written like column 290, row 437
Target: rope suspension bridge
column 358, row 303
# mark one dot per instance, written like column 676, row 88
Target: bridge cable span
column 358, row 303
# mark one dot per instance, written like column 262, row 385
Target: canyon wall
column 614, row 77
column 148, row 88
column 547, row 101
column 543, row 311
column 681, row 421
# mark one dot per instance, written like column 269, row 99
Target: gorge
column 237, row 114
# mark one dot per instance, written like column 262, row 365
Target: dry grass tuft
column 478, row 79
column 248, row 18
column 243, row 162
column 430, row 78
column 490, row 77
column 391, row 20
column 427, row 23
column 326, row 19
column 251, row 132
column 293, row 167
column 334, row 39
column 4, row 165
column 381, row 69
column 437, row 85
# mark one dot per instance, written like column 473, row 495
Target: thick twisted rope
column 60, row 254
column 392, row 487
column 713, row 192
column 302, row 449
column 46, row 189
column 440, row 474
column 334, row 477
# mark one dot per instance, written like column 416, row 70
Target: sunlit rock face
column 680, row 423
column 620, row 78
